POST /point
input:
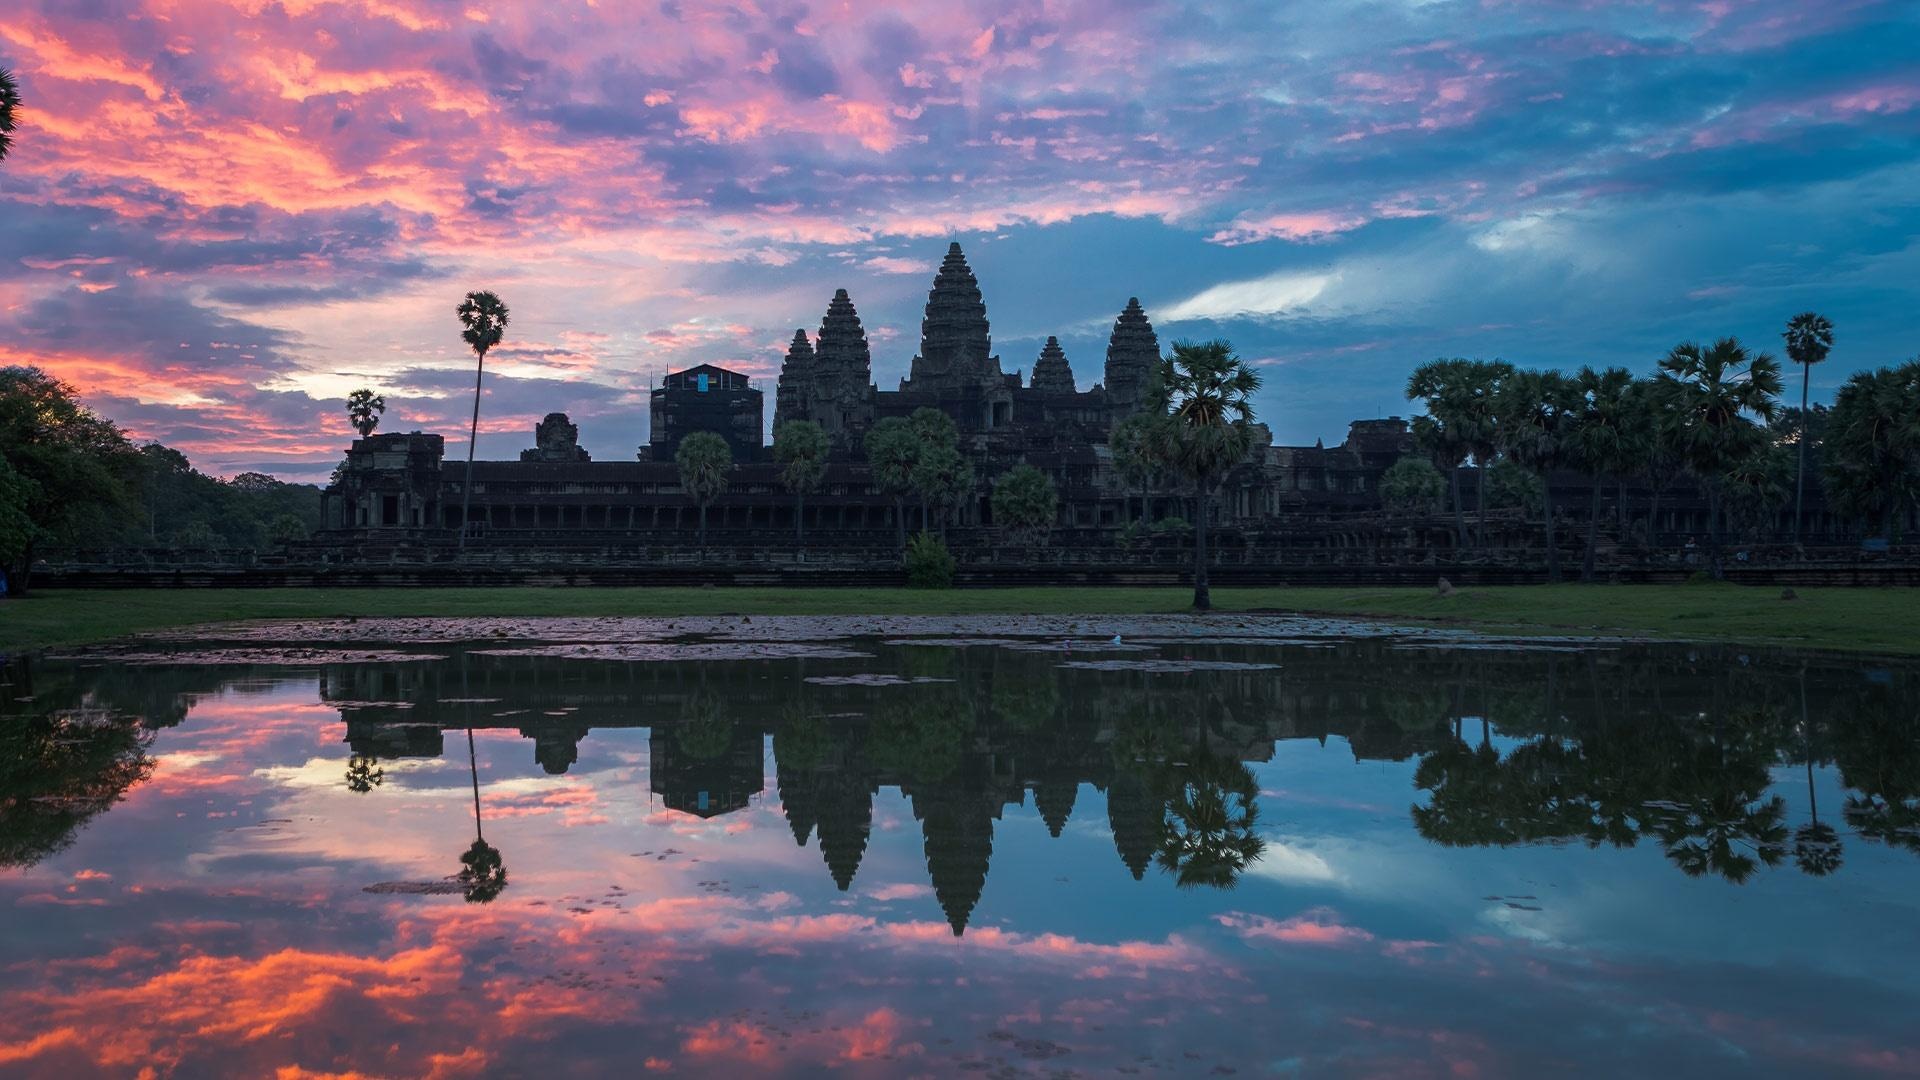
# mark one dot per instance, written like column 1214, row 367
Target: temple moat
column 1004, row 846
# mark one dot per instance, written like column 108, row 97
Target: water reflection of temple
column 1672, row 747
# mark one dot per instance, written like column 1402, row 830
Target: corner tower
column 796, row 373
column 1051, row 373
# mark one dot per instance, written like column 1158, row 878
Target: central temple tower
column 955, row 350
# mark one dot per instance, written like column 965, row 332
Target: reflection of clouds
column 1293, row 864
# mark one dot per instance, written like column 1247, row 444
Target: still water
column 1001, row 847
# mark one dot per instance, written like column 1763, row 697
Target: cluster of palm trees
column 1710, row 412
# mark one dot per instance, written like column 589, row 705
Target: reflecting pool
column 995, row 846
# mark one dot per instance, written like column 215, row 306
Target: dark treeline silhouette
column 1708, row 416
column 69, row 478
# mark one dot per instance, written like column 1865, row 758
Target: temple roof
column 955, row 343
column 1052, row 373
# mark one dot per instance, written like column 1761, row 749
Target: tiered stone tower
column 955, row 349
column 1051, row 373
column 796, row 375
column 841, row 400
column 1132, row 353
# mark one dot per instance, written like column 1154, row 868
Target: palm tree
column 704, row 460
column 1206, row 430
column 1536, row 412
column 9, row 110
column 1714, row 396
column 363, row 411
column 484, row 321
column 892, row 451
column 1207, row 834
column 1809, row 338
column 1816, row 846
column 483, row 873
column 1606, row 439
column 1443, row 431
column 1130, row 460
column 1871, row 460
column 800, row 446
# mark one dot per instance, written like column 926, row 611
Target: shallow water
column 990, row 846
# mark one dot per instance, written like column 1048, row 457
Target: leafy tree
column 483, row 322
column 705, row 732
column 9, row 110
column 1206, row 429
column 196, row 536
column 363, row 411
column 76, row 465
column 286, row 529
column 1714, row 399
column 1511, row 487
column 1872, row 457
column 800, row 446
column 1536, row 416
column 16, row 526
column 1756, row 485
column 929, row 564
column 704, row 460
column 1131, row 458
column 1610, row 438
column 1462, row 419
column 892, row 451
column 1809, row 338
column 1412, row 483
column 941, row 476
column 1025, row 503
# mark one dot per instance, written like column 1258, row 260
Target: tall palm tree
column 1607, row 440
column 363, row 411
column 1208, row 832
column 800, row 446
column 1536, row 412
column 1809, row 338
column 704, row 460
column 483, row 319
column 1441, row 432
column 1206, row 430
column 1714, row 395
column 9, row 110
column 1816, row 845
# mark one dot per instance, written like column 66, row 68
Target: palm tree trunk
column 1553, row 549
column 473, row 436
column 1202, row 597
column 473, row 766
column 1713, row 533
column 1800, row 474
column 1593, row 533
column 703, row 527
column 799, row 519
column 900, row 521
column 1480, row 502
column 1459, row 515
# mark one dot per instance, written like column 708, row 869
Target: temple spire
column 1051, row 373
column 955, row 344
column 796, row 372
column 1132, row 353
column 841, row 399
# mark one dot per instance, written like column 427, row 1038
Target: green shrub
column 929, row 563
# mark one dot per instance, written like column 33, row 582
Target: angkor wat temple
column 398, row 487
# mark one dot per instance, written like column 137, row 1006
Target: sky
column 221, row 217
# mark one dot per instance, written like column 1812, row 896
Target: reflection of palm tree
column 364, row 773
column 1816, row 847
column 1207, row 833
column 483, row 875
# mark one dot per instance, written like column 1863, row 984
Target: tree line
column 1710, row 414
column 70, row 478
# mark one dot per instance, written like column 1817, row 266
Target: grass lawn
column 1864, row 620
